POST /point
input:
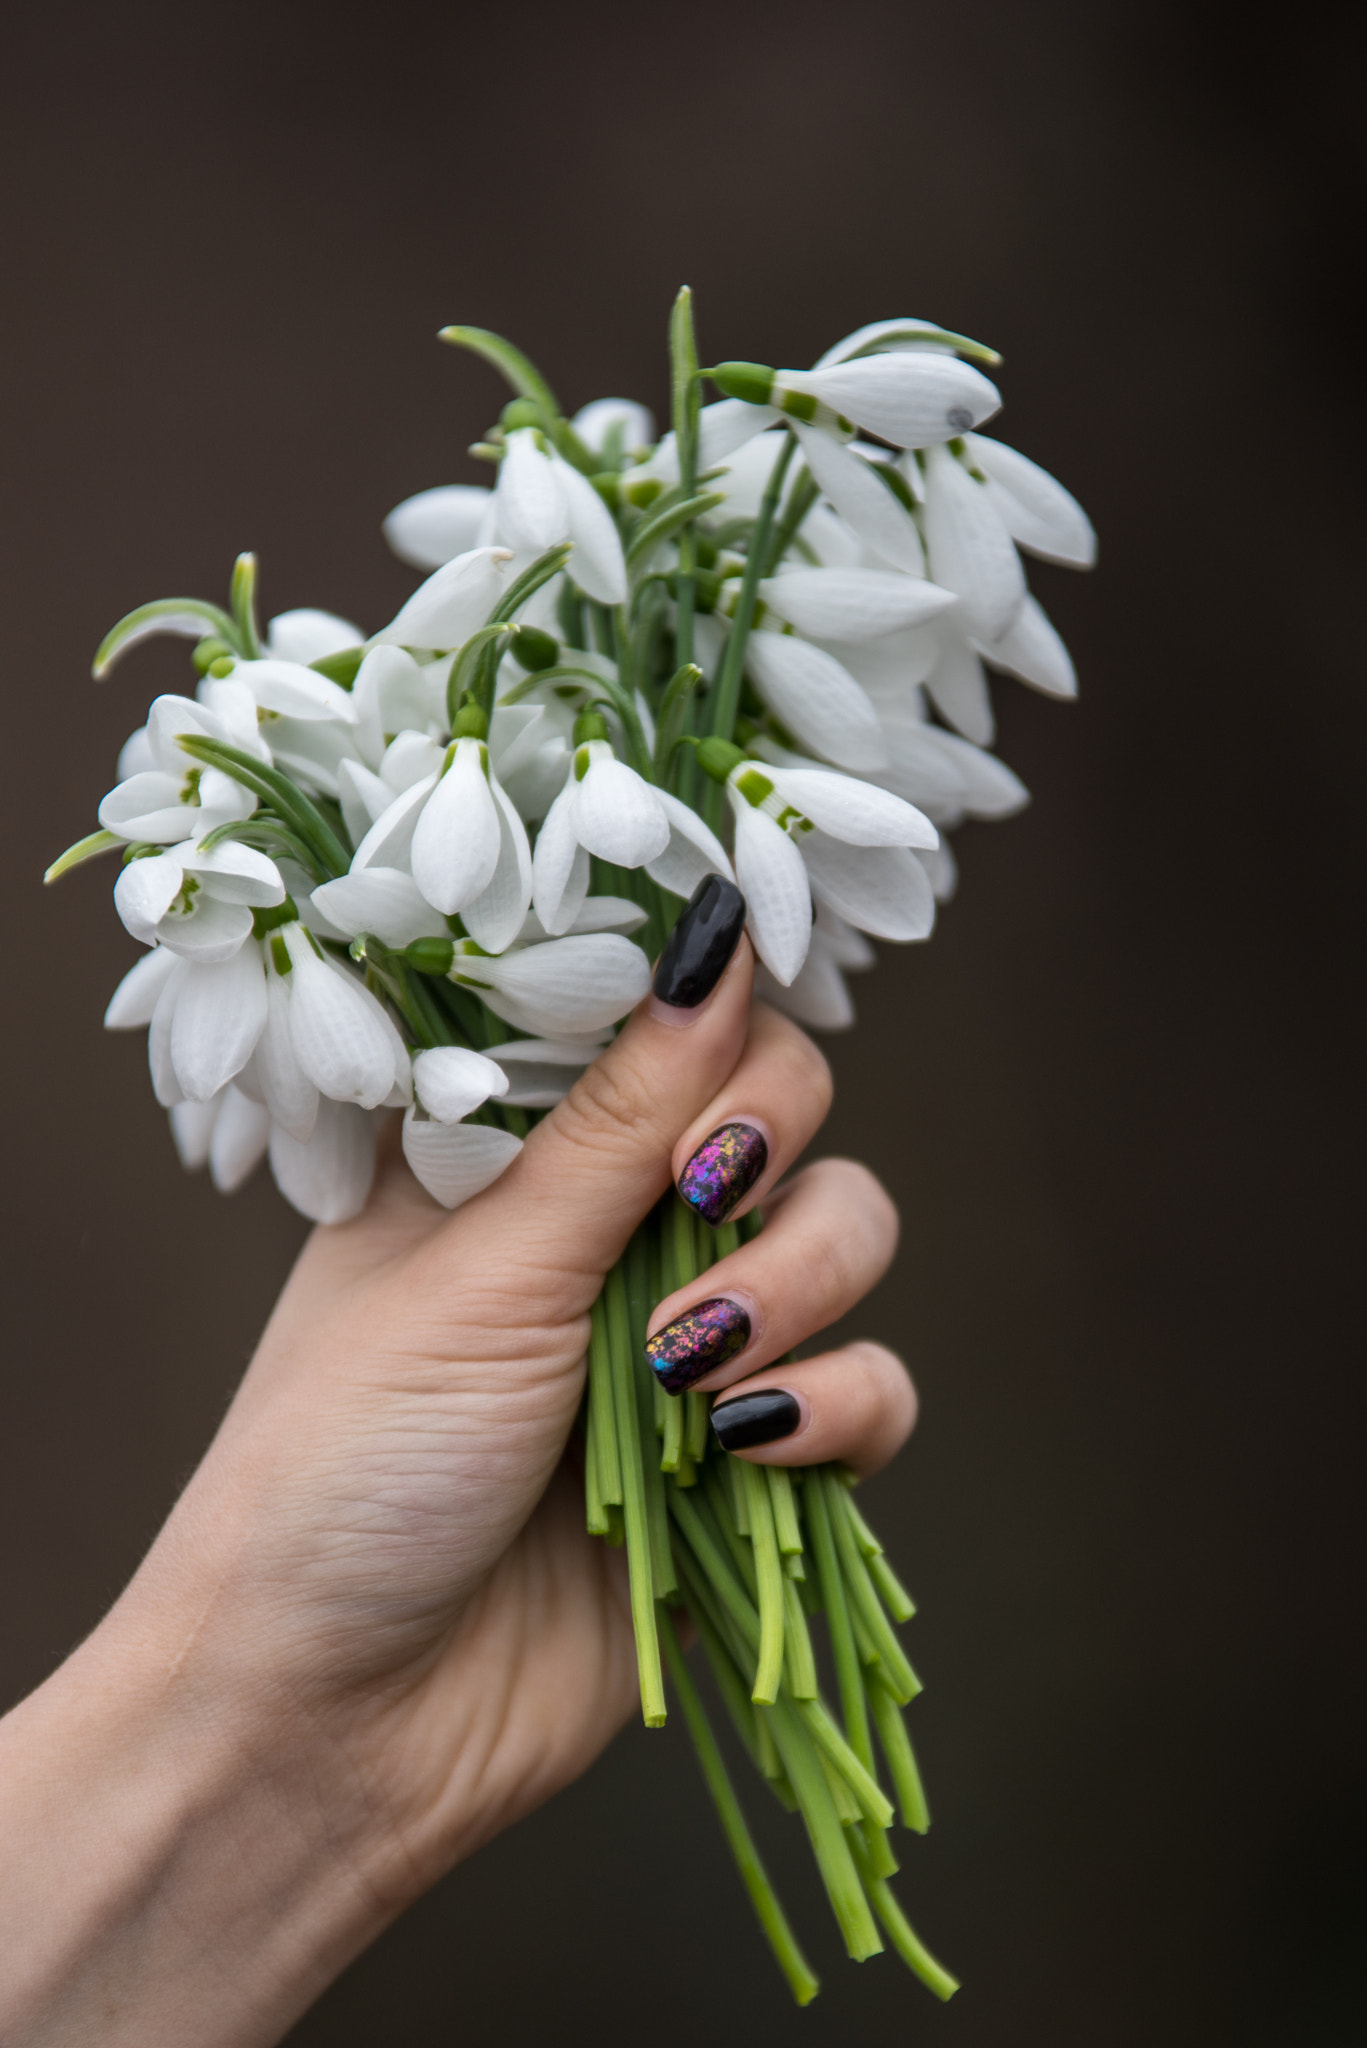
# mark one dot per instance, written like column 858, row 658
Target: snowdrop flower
column 912, row 398
column 328, row 1177
column 1038, row 513
column 205, row 1024
column 567, row 987
column 852, row 484
column 164, row 795
column 307, row 635
column 852, row 604
column 818, row 701
column 229, row 1134
column 469, row 851
column 433, row 527
column 455, row 1160
column 452, row 604
column 541, row 500
column 542, row 1071
column 340, row 1034
column 969, row 549
column 604, row 808
column 307, row 720
column 195, row 903
column 818, row 996
column 621, row 420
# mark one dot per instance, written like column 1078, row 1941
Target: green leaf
column 268, row 835
column 84, row 849
column 917, row 331
column 191, row 617
column 244, row 605
column 521, row 372
column 340, row 668
column 271, row 787
column 661, row 526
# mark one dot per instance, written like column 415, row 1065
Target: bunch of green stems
column 750, row 1555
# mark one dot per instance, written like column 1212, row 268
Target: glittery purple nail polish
column 696, row 1342
column 723, row 1170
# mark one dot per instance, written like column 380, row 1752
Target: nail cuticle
column 766, row 1417
column 724, row 1169
column 693, row 1344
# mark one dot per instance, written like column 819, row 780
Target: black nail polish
column 701, row 943
column 697, row 1342
column 755, row 1419
column 723, row 1170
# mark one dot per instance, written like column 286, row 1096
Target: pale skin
column 373, row 1631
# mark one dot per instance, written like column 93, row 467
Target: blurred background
column 1110, row 1095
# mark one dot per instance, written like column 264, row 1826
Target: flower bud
column 209, row 651
column 431, row 956
column 534, row 649
column 590, row 725
column 717, row 758
column 751, row 381
column 340, row 668
column 520, row 412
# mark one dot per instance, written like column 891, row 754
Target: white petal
column 1038, row 513
column 446, row 609
column 495, row 917
column 990, row 790
column 294, row 691
column 573, row 985
column 411, row 757
column 307, row 635
column 145, row 891
column 389, row 841
column 364, row 798
column 385, row 901
column 391, row 691
column 747, row 474
column 286, row 1089
column 911, row 397
column 339, row 1032
column 943, row 871
column 773, row 881
column 818, row 996
column 241, row 1135
column 456, row 842
column 236, row 874
column 149, row 807
column 169, row 716
column 456, row 1161
column 874, row 330
column 542, row 1071
column 853, row 604
column 869, row 506
column 693, row 851
column 969, row 548
column 594, row 422
column 856, row 812
column 435, row 526
column 560, row 866
column 1033, row 651
column 135, row 998
column 958, row 685
column 165, row 1086
column 722, row 429
column 192, row 1127
column 879, row 889
column 819, row 701
column 617, row 815
column 847, row 947
column 451, row 1081
column 232, row 704
column 329, row 1178
column 529, row 501
column 920, row 768
column 135, row 755
column 220, row 1013
column 212, row 932
column 597, row 564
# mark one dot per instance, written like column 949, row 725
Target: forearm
column 178, row 1865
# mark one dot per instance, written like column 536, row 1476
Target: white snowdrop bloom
column 621, row 419
column 773, row 881
column 469, row 850
column 205, row 1025
column 450, row 1081
column 452, row 604
column 942, row 870
column 452, row 1159
column 392, row 694
column 274, row 1072
column 540, row 500
column 818, row 996
column 818, row 701
column 723, row 428
column 385, row 901
column 135, row 998
column 693, row 852
column 542, row 1071
column 604, row 808
column 1032, row 651
column 883, row 890
column 852, row 604
column 968, row 547
column 566, row 987
column 1038, row 513
column 852, row 485
column 433, row 527
column 341, row 1035
column 596, row 914
column 308, row 721
column 307, row 635
column 327, row 1178
column 165, row 795
column 228, row 1134
column 196, row 903
column 914, row 398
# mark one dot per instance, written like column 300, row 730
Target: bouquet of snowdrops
column 425, row 870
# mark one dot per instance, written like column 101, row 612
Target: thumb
column 589, row 1173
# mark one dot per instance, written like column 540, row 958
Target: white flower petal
column 969, row 548
column 495, row 917
column 773, row 881
column 958, row 686
column 542, row 1071
column 593, row 423
column 435, row 526
column 574, row 985
column 874, row 330
column 150, row 807
column 819, row 701
column 340, row 1034
column 220, row 1013
column 292, row 690
column 456, row 1161
column 597, row 564
column 307, row 635
column 211, row 933
column 693, row 851
column 192, row 1127
column 990, row 790
column 911, row 397
column 451, row 1081
column 363, row 797
column 329, row 1178
column 879, row 889
column 853, row 604
column 446, row 609
column 135, row 998
column 617, row 816
column 165, row 1086
column 529, row 500
column 817, row 997
column 411, row 757
column 456, row 841
column 722, row 429
column 240, row 1138
column 560, row 866
column 1038, row 513
column 385, row 901
column 236, row 874
column 943, row 871
column 1032, row 650
column 145, row 891
column 390, row 693
column 136, row 756
column 868, row 506
column 389, row 841
column 857, row 812
column 285, row 1088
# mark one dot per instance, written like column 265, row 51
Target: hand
column 374, row 1631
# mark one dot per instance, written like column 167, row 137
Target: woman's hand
column 374, row 1631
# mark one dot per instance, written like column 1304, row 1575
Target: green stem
column 848, row 1675
column 900, row 1677
column 683, row 355
column 634, row 1503
column 769, row 1575
column 829, row 1840
column 726, row 696
column 901, row 1933
column 602, row 1413
column 906, row 1778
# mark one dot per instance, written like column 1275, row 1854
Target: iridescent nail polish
column 697, row 1342
column 723, row 1170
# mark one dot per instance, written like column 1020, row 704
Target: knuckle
column 606, row 1110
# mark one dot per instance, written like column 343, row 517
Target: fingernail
column 701, row 943
column 756, row 1419
column 723, row 1170
column 697, row 1342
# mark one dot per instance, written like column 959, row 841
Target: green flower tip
column 751, row 381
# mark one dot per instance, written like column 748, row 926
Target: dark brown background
column 1111, row 1095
